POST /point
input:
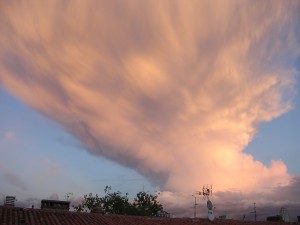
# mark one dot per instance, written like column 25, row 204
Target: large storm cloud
column 172, row 89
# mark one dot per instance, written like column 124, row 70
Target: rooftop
column 19, row 216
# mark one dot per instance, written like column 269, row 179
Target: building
column 55, row 204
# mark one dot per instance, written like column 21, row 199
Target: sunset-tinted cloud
column 172, row 89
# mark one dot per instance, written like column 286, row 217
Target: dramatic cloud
column 172, row 89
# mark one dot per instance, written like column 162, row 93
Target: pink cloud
column 174, row 90
column 8, row 135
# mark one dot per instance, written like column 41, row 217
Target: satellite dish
column 209, row 205
column 210, row 214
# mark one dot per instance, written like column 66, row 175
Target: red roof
column 18, row 216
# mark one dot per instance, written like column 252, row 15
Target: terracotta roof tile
column 14, row 216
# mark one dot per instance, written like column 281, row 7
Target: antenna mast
column 254, row 208
column 255, row 216
column 195, row 206
column 67, row 195
column 206, row 192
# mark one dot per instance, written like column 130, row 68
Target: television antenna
column 206, row 193
column 67, row 195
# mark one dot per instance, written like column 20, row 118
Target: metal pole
column 195, row 206
column 254, row 212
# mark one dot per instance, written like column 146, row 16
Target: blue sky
column 279, row 139
column 35, row 141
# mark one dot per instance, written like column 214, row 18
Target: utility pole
column 254, row 207
column 195, row 206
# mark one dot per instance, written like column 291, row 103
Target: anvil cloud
column 172, row 89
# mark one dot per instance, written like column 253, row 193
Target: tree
column 114, row 202
column 147, row 204
column 90, row 202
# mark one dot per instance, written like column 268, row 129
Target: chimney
column 10, row 200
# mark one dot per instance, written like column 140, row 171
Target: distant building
column 55, row 204
column 98, row 210
column 284, row 214
column 164, row 214
column 276, row 218
column 223, row 217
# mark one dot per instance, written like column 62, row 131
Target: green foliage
column 147, row 204
column 90, row 202
column 115, row 203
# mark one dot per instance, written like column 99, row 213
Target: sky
column 157, row 95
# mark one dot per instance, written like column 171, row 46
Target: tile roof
column 19, row 216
